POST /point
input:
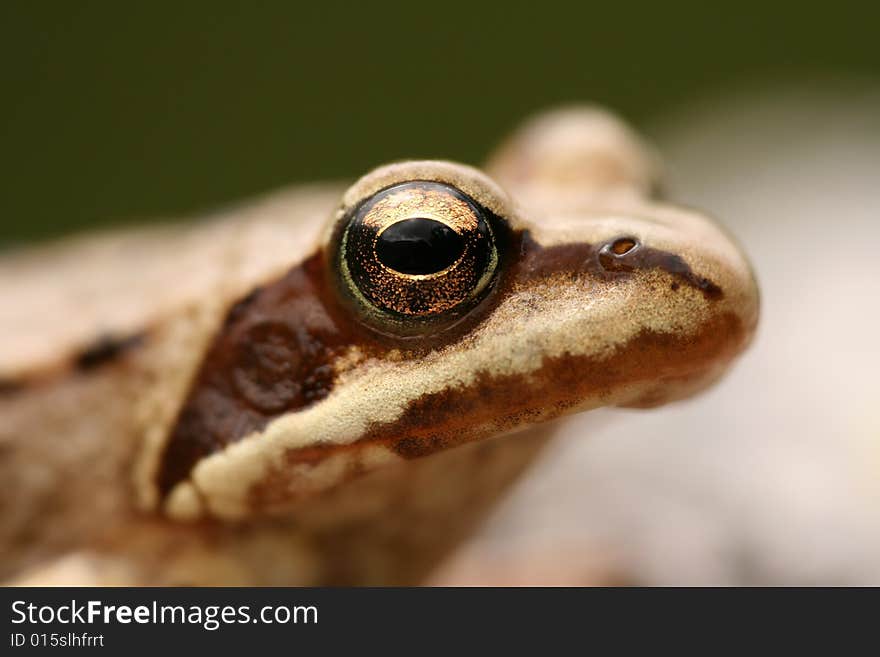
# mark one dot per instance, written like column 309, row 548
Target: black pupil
column 419, row 246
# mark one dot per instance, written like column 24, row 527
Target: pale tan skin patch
column 569, row 178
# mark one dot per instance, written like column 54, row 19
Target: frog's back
column 82, row 297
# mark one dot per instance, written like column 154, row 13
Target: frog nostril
column 611, row 254
column 623, row 245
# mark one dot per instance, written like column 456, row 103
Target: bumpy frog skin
column 303, row 390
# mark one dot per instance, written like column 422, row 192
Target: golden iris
column 418, row 250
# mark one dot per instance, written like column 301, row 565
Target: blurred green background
column 116, row 112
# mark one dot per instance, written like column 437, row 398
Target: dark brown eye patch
column 417, row 252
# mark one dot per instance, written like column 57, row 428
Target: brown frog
column 330, row 385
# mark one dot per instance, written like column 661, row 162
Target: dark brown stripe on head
column 614, row 259
column 106, row 348
column 10, row 387
column 274, row 354
column 626, row 254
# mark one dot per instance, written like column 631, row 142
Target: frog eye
column 417, row 252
